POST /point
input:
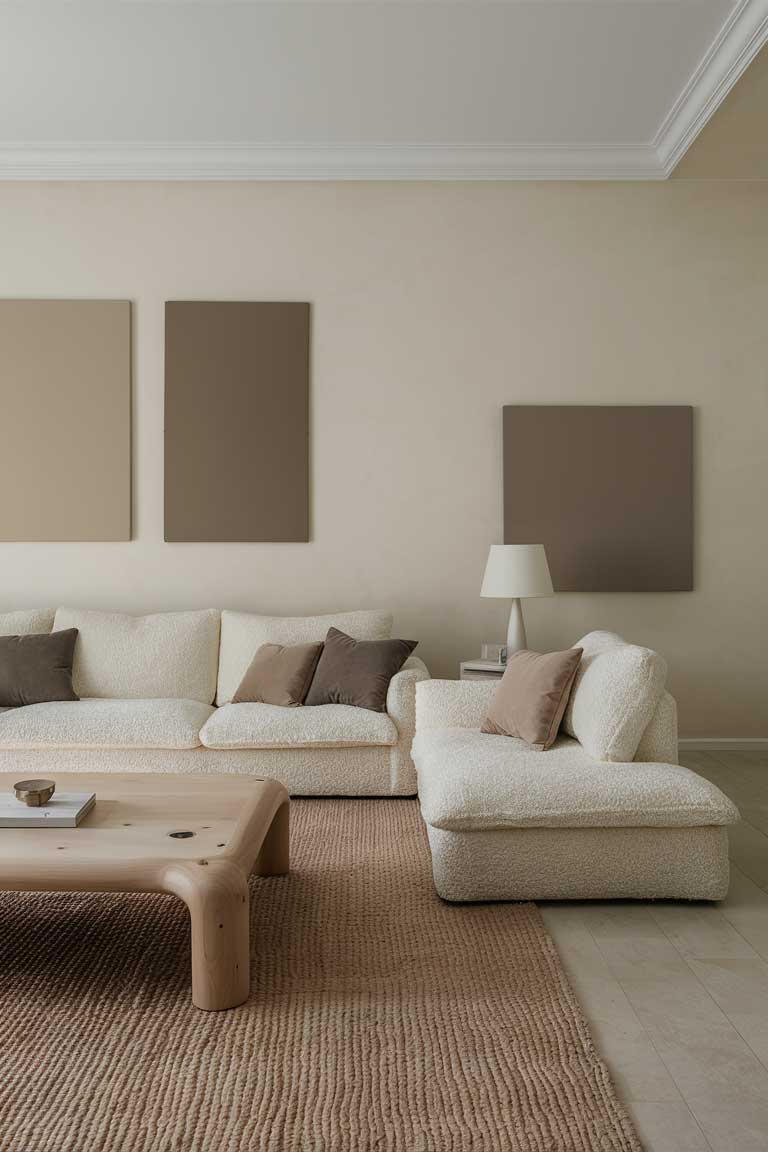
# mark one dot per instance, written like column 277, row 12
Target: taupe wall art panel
column 236, row 421
column 65, row 463
column 607, row 489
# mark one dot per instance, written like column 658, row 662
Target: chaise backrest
column 242, row 633
column 658, row 744
column 168, row 655
column 617, row 689
column 623, row 709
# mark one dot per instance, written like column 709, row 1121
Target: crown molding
column 739, row 40
column 212, row 161
column 734, row 48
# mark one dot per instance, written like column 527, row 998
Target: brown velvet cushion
column 279, row 675
column 357, row 672
column 532, row 696
column 37, row 669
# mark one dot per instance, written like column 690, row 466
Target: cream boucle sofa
column 156, row 697
column 508, row 823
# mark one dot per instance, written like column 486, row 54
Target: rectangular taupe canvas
column 236, row 421
column 65, row 460
column 607, row 489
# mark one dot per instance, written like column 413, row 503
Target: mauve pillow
column 532, row 696
column 279, row 674
column 357, row 672
column 37, row 669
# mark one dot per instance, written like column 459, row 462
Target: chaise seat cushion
column 324, row 726
column 472, row 781
column 105, row 724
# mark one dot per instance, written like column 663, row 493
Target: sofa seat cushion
column 105, row 724
column 269, row 726
column 469, row 781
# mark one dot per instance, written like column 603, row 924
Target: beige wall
column 434, row 305
column 734, row 143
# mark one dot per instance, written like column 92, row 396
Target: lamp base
column 516, row 631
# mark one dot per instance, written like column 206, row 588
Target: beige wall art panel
column 236, row 421
column 608, row 490
column 65, row 464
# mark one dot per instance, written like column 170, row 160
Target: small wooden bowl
column 34, row 793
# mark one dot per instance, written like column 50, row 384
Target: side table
column 481, row 670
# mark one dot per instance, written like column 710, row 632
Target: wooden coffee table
column 125, row 844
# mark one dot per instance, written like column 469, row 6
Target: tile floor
column 677, row 994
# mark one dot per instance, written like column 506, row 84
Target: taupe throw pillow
column 357, row 672
column 532, row 696
column 37, row 669
column 279, row 674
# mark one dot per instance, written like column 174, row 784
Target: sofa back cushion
column 26, row 621
column 242, row 633
column 614, row 696
column 169, row 655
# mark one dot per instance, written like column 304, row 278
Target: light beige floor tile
column 746, row 908
column 637, row 958
column 667, row 1127
column 754, row 762
column 717, row 1073
column 749, row 851
column 621, row 920
column 637, row 1070
column 580, row 954
column 700, row 930
column 732, row 1125
column 740, row 988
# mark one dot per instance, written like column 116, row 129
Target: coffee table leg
column 216, row 894
column 273, row 857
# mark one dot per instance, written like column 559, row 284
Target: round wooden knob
column 34, row 793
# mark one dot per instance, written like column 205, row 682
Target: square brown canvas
column 608, row 490
column 65, row 464
column 236, row 421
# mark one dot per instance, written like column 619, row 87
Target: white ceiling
column 355, row 88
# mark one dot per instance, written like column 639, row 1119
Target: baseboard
column 724, row 744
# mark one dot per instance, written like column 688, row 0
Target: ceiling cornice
column 734, row 48
column 739, row 40
column 213, row 161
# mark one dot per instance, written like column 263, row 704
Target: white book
column 63, row 810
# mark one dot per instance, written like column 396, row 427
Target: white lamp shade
column 517, row 570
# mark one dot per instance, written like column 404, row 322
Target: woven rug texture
column 380, row 1019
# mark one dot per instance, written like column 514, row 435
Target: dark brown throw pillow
column 37, row 669
column 532, row 696
column 279, row 675
column 357, row 672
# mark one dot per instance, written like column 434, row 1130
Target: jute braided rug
column 380, row 1018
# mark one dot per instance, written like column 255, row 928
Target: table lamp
column 514, row 571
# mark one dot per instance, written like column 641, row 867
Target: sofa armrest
column 453, row 703
column 401, row 706
column 401, row 694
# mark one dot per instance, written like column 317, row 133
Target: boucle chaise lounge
column 607, row 812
